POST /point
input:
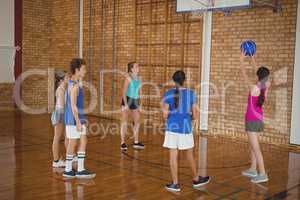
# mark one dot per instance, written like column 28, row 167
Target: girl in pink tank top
column 254, row 112
column 254, row 119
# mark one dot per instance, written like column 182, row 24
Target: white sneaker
column 250, row 173
column 260, row 178
column 59, row 164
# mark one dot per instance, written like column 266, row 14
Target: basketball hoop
column 205, row 3
column 196, row 14
column 198, row 7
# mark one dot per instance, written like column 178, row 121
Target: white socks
column 69, row 160
column 81, row 157
column 80, row 163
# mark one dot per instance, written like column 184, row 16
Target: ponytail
column 261, row 97
column 178, row 78
column 176, row 97
column 262, row 74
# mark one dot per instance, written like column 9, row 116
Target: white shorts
column 178, row 141
column 72, row 133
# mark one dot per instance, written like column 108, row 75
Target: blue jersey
column 180, row 119
column 69, row 117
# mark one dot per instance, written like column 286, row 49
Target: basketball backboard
column 210, row 5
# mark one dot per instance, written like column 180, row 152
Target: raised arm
column 254, row 63
column 243, row 71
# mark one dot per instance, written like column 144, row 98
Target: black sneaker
column 124, row 146
column 85, row 174
column 201, row 181
column 138, row 146
column 70, row 174
column 173, row 187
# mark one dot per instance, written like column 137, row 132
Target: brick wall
column 274, row 34
column 50, row 40
column 137, row 39
column 63, row 36
column 36, row 51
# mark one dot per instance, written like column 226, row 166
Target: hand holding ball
column 248, row 48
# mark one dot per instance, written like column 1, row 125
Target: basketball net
column 196, row 14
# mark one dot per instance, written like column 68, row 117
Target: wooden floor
column 26, row 172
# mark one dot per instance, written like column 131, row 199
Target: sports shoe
column 138, row 146
column 85, row 174
column 124, row 146
column 59, row 164
column 201, row 181
column 173, row 187
column 260, row 178
column 250, row 173
column 70, row 174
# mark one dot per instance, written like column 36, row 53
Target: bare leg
column 82, row 143
column 58, row 132
column 124, row 124
column 136, row 120
column 253, row 140
column 66, row 142
column 72, row 146
column 192, row 163
column 253, row 158
column 174, row 165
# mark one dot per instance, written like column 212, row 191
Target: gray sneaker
column 260, row 178
column 250, row 173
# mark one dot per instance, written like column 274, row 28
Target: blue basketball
column 249, row 48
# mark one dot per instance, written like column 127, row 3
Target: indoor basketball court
column 150, row 99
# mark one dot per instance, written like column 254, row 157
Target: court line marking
column 90, row 137
column 229, row 194
column 151, row 176
column 49, row 140
column 108, row 155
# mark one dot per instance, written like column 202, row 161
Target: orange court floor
column 27, row 173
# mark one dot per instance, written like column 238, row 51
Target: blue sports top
column 180, row 120
column 69, row 117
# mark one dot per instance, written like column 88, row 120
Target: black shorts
column 254, row 126
column 133, row 104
